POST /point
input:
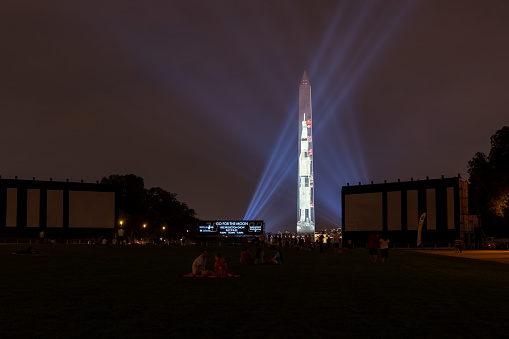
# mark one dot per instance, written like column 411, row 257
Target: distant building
column 395, row 209
column 60, row 209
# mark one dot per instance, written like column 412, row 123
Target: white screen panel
column 33, row 207
column 431, row 209
column 394, row 211
column 12, row 207
column 91, row 209
column 450, row 208
column 55, row 209
column 412, row 210
column 363, row 212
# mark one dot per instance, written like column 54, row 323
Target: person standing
column 120, row 234
column 301, row 242
column 320, row 242
column 373, row 247
column 261, row 239
column 384, row 248
column 335, row 243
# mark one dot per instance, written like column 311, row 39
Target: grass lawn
column 84, row 291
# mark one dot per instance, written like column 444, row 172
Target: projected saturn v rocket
column 305, row 197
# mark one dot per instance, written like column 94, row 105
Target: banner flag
column 419, row 230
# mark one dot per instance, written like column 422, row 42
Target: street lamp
column 144, row 226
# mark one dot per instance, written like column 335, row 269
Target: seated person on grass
column 199, row 265
column 275, row 258
column 245, row 257
column 221, row 267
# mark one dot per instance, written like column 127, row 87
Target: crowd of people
column 281, row 240
column 300, row 242
column 275, row 256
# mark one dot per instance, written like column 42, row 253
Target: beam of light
column 277, row 169
column 340, row 166
column 364, row 57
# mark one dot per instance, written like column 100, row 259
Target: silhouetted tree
column 165, row 210
column 132, row 200
column 155, row 207
column 479, row 170
column 489, row 184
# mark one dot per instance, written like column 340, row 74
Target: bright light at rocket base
column 338, row 155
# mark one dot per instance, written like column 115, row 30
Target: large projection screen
column 33, row 207
column 11, row 217
column 394, row 211
column 412, row 210
column 363, row 212
column 55, row 208
column 450, row 208
column 431, row 209
column 91, row 209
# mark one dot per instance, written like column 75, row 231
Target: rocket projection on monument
column 305, row 196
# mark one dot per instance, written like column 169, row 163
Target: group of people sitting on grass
column 221, row 267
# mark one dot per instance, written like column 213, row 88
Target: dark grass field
column 83, row 291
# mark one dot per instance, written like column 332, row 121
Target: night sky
column 201, row 97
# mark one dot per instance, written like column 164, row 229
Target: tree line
column 159, row 210
column 489, row 185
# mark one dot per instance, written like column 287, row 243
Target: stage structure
column 305, row 194
column 395, row 209
column 62, row 210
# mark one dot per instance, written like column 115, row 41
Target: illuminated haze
column 201, row 98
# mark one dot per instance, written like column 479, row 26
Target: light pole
column 120, row 234
column 162, row 235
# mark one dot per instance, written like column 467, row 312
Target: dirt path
column 488, row 255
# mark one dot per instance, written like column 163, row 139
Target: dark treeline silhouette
column 154, row 207
column 489, row 185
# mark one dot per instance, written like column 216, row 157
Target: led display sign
column 232, row 228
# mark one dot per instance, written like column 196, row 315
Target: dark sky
column 200, row 97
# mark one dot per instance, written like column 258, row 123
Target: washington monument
column 305, row 196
